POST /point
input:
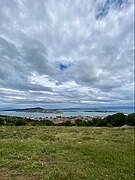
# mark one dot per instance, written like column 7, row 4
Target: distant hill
column 25, row 109
column 58, row 110
column 36, row 109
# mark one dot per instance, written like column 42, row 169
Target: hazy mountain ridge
column 36, row 109
column 40, row 109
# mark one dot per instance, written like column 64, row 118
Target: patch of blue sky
column 103, row 9
column 63, row 67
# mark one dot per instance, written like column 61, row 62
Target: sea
column 64, row 113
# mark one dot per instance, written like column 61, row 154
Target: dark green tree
column 130, row 119
column 108, row 119
column 94, row 121
column 118, row 119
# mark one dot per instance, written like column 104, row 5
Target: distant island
column 103, row 111
column 58, row 111
column 36, row 109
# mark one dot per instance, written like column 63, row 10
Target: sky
column 66, row 53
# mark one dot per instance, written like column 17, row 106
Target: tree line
column 118, row 119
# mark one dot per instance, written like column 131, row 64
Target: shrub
column 89, row 123
column 101, row 122
column 118, row 119
column 108, row 119
column 20, row 122
column 42, row 123
column 109, row 125
column 79, row 122
column 130, row 119
column 67, row 123
column 94, row 121
column 2, row 122
column 10, row 120
column 48, row 123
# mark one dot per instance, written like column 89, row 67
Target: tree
column 118, row 119
column 108, row 119
column 130, row 119
column 94, row 121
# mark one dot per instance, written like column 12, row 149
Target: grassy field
column 66, row 153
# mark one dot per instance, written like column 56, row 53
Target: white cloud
column 92, row 40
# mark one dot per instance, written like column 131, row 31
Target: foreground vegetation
column 66, row 153
column 118, row 119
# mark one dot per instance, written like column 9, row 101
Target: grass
column 66, row 153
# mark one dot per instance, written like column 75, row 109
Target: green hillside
column 66, row 153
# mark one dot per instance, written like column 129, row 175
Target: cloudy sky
column 66, row 53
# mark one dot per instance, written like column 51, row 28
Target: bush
column 80, row 122
column 20, row 122
column 94, row 121
column 10, row 121
column 101, row 122
column 48, row 123
column 67, row 123
column 2, row 122
column 130, row 119
column 42, row 123
column 108, row 119
column 89, row 123
column 118, row 119
column 109, row 125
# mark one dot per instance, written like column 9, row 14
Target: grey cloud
column 37, row 36
column 24, row 86
column 35, row 57
column 83, row 71
column 7, row 48
column 2, row 74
